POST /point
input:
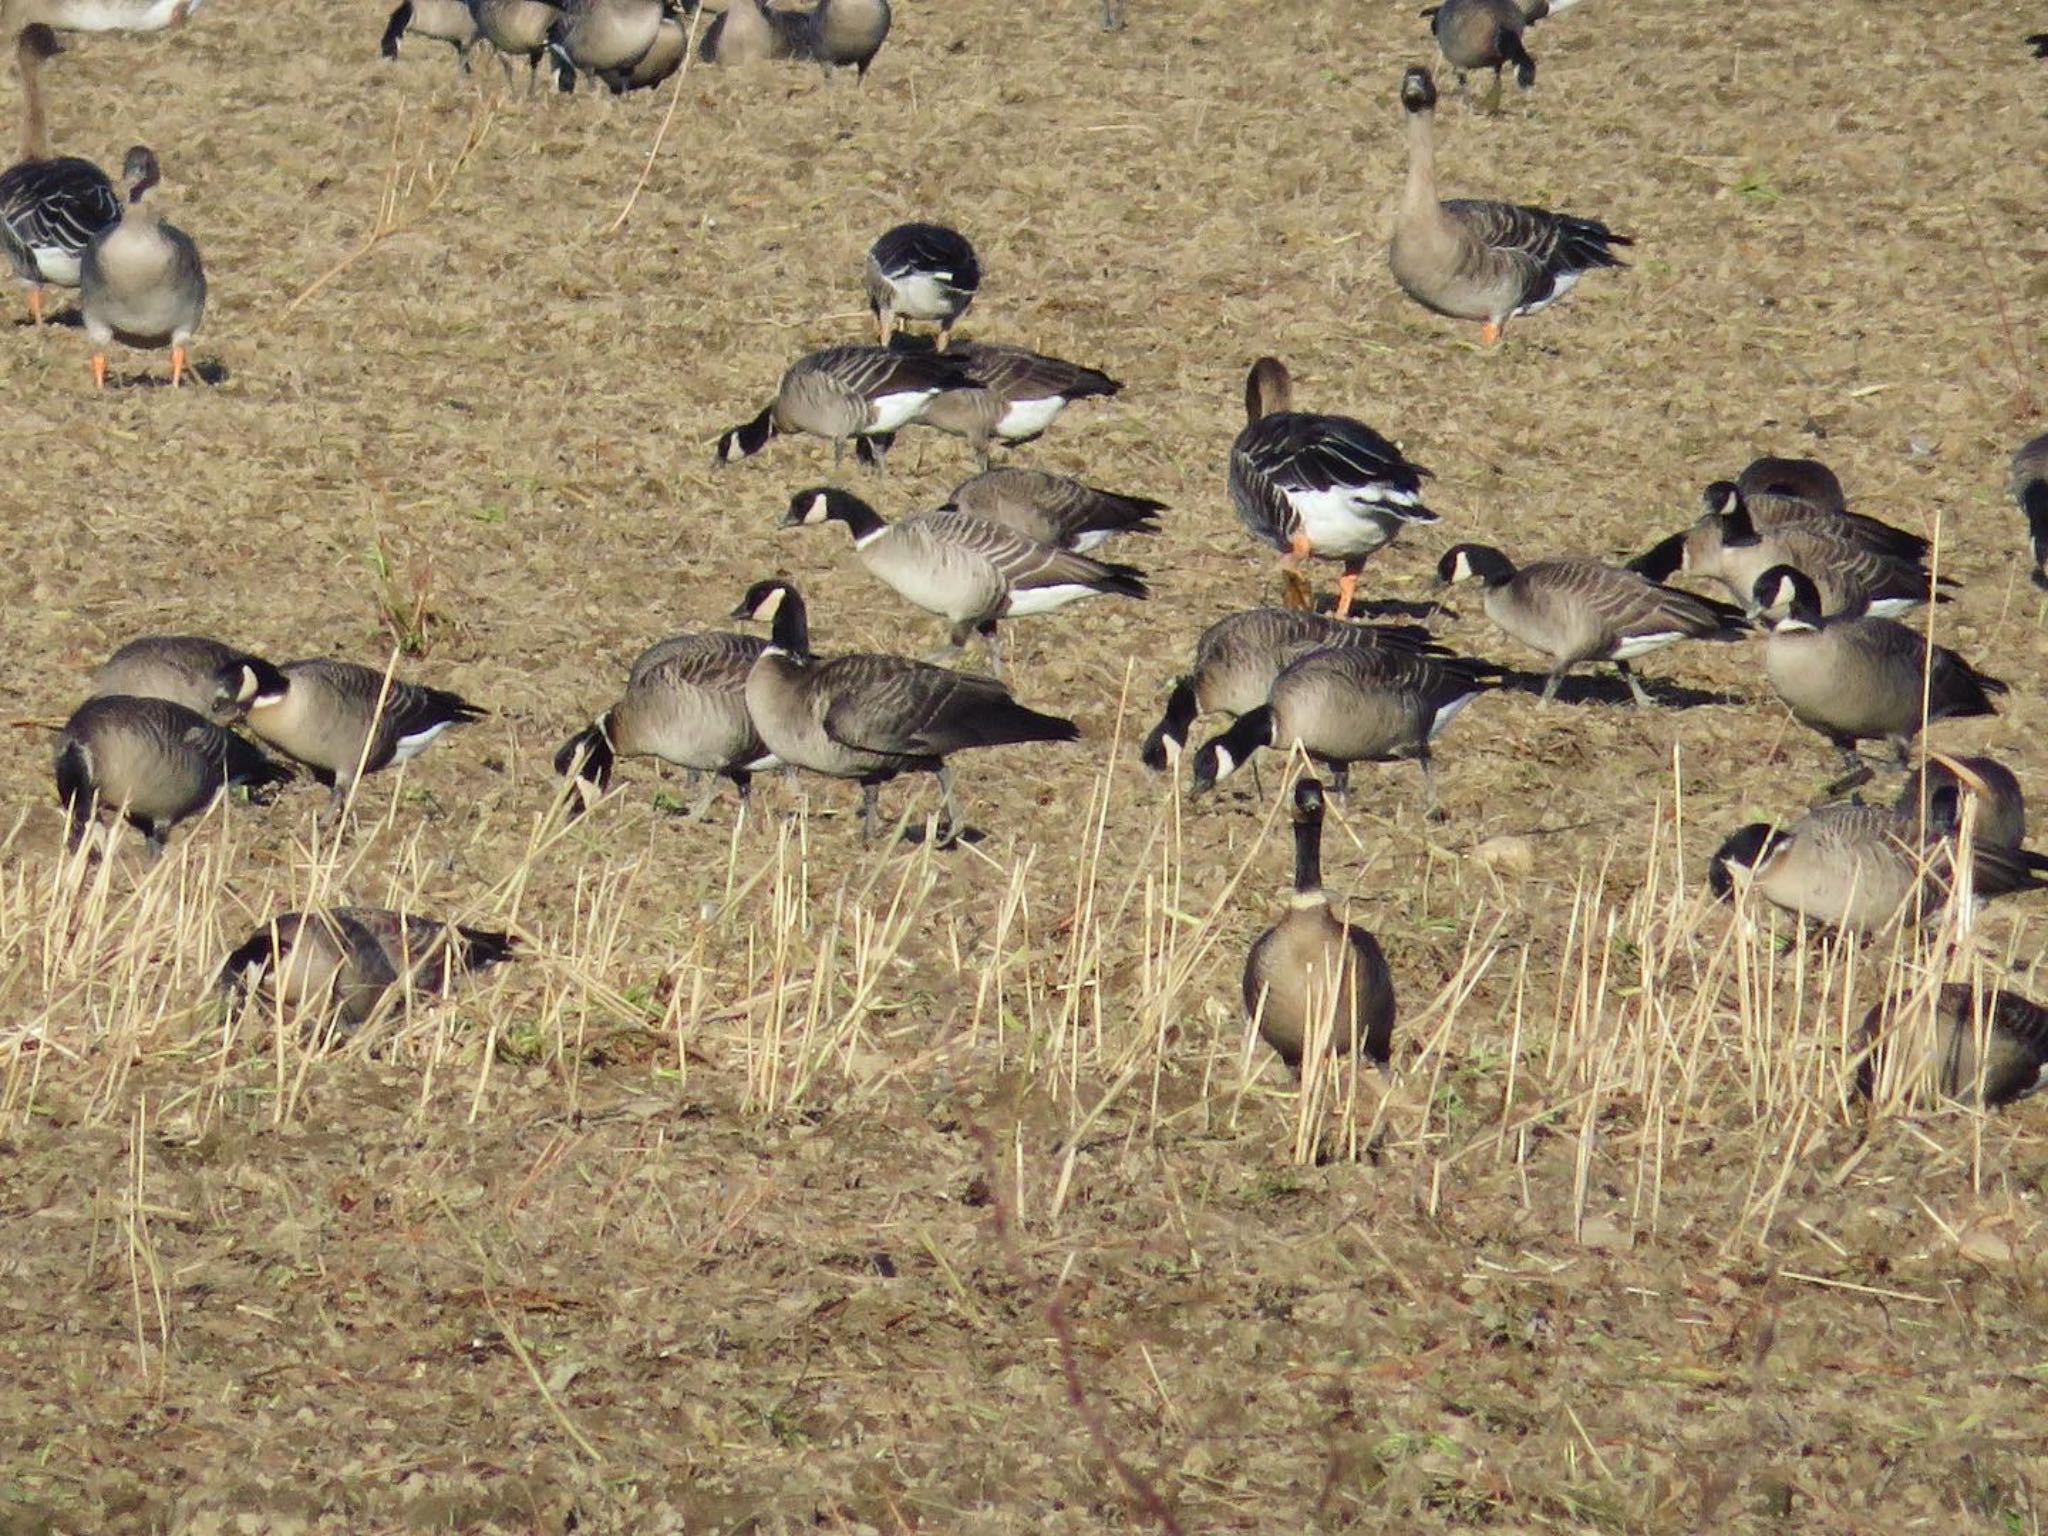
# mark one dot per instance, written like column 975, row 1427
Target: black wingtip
column 483, row 948
column 2039, row 43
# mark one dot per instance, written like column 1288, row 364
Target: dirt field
column 791, row 1185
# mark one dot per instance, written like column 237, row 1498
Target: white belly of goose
column 888, row 412
column 1642, row 645
column 1340, row 522
column 1028, row 418
column 125, row 15
column 1032, row 600
column 922, row 295
column 410, row 747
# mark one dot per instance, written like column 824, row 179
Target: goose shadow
column 212, row 372
column 68, row 319
column 1612, row 688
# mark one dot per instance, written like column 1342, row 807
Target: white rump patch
column 1448, row 713
column 410, row 747
column 1028, row 418
column 888, row 412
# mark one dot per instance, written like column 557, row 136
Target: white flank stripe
column 410, row 747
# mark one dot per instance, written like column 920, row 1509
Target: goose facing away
column 1807, row 480
column 339, row 966
column 969, row 571
column 51, row 209
column 341, row 721
column 1857, row 677
column 921, row 272
column 662, row 58
column 1238, row 657
column 205, row 676
column 2030, row 490
column 141, row 281
column 1986, row 1049
column 1315, row 485
column 1479, row 260
column 1936, row 790
column 594, row 36
column 445, row 21
column 872, row 718
column 1054, row 509
column 685, row 703
column 1314, row 979
column 1009, row 395
column 1573, row 609
column 845, row 392
column 151, row 761
column 1485, row 34
column 748, row 31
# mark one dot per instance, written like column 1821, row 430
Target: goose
column 1857, row 677
column 969, row 571
column 1485, row 34
column 1350, row 705
column 872, row 718
column 921, row 272
column 1053, row 509
column 517, row 29
column 1326, row 486
column 1807, row 480
column 1484, row 261
column 151, row 761
column 685, row 703
column 747, row 31
column 446, row 21
column 339, row 966
column 1009, row 395
column 51, row 209
column 1936, row 789
column 1238, row 657
column 1861, row 868
column 662, row 59
column 342, row 720
column 95, row 15
column 2011, row 1031
column 843, row 32
column 1573, row 609
column 205, row 676
column 141, row 281
column 592, row 36
column 2030, row 490
column 2038, row 41
column 1314, row 977
column 845, row 392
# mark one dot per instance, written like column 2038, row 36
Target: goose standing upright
column 920, row 272
column 1480, row 260
column 51, row 209
column 1326, row 486
column 141, row 281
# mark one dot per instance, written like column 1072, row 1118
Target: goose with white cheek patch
column 206, row 676
column 846, row 393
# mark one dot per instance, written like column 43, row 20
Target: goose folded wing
column 1326, row 453
column 903, row 708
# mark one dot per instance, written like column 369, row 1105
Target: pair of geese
column 140, row 280
column 1316, row 982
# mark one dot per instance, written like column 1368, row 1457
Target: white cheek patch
column 1226, row 765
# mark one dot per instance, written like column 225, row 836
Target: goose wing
column 1016, row 373
column 53, row 205
column 1548, row 250
column 897, row 707
column 1295, row 453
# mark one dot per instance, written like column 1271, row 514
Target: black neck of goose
column 400, row 20
column 141, row 185
column 1308, row 856
column 860, row 518
column 792, row 627
column 2034, row 502
column 1737, row 526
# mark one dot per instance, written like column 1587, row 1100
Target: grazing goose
column 1326, row 486
column 1861, row 868
column 685, row 703
column 339, row 966
column 1010, row 395
column 151, row 761
column 141, row 281
column 921, row 272
column 1857, row 677
column 51, row 209
column 969, row 571
column 662, row 59
column 342, row 721
column 1237, row 658
column 846, row 32
column 1485, row 34
column 1054, row 509
column 1935, row 790
column 446, row 21
column 205, row 676
column 2030, row 490
column 1483, row 261
column 95, row 15
column 747, row 31
column 517, row 29
column 846, row 392
column 2038, row 41
column 592, row 36
column 1750, row 510
column 1573, row 609
column 872, row 718
column 1353, row 705
column 2012, row 1032
column 1313, row 977
column 1806, row 480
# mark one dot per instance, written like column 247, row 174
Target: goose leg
column 1856, row 773
column 707, row 792
column 1112, row 15
column 337, row 802
column 1296, row 591
column 1553, row 682
column 178, row 357
column 1491, row 102
column 35, row 303
column 1347, row 589
column 1635, row 686
column 945, row 333
column 948, row 828
column 885, row 322
column 1491, row 331
column 870, row 799
column 1340, row 780
column 1431, row 811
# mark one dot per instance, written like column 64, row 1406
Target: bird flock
column 171, row 722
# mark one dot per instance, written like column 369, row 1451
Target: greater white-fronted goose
column 51, row 208
column 1575, row 609
column 1313, row 485
column 1314, row 979
column 337, row 967
column 444, row 21
column 921, row 272
column 872, row 718
column 1054, row 509
column 1986, row 1048
column 1352, row 705
column 1935, row 791
column 205, row 676
column 1861, row 868
column 152, row 762
column 1477, row 260
column 748, row 31
column 971, row 572
column 1010, row 395
column 662, row 59
column 850, row 392
column 1238, row 657
column 1857, row 677
column 341, row 721
column 141, row 281
column 517, row 29
column 1485, row 34
column 595, row 36
column 685, row 703
column 2030, row 490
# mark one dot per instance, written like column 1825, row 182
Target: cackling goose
column 1936, row 789
column 596, row 36
column 846, row 392
column 151, row 761
column 2030, row 490
column 1054, row 509
column 1010, row 396
column 1987, row 1048
column 446, row 21
column 205, row 676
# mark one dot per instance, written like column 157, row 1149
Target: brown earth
column 795, row 1185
